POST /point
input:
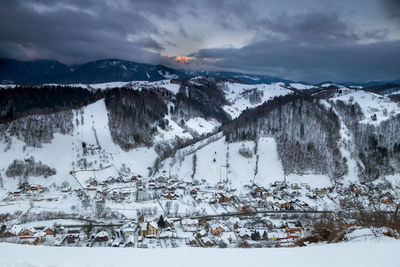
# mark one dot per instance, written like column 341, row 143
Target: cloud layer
column 311, row 40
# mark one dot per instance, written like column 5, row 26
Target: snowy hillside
column 243, row 96
column 376, row 108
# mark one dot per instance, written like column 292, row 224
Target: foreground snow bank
column 367, row 253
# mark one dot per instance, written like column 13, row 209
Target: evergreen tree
column 265, row 235
column 161, row 222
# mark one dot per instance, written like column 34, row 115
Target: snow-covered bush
column 28, row 167
column 245, row 152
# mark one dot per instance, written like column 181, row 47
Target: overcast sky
column 310, row 40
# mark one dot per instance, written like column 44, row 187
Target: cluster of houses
column 233, row 232
column 28, row 235
column 236, row 230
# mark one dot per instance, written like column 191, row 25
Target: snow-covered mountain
column 106, row 70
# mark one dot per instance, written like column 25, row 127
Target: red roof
column 49, row 232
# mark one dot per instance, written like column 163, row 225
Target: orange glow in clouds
column 182, row 59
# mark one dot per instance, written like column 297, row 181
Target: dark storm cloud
column 311, row 27
column 232, row 14
column 392, row 8
column 79, row 30
column 313, row 47
column 339, row 62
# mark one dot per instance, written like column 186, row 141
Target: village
column 165, row 212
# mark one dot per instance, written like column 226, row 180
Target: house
column 304, row 205
column 189, row 225
column 71, row 239
column 272, row 236
column 30, row 231
column 202, row 222
column 130, row 241
column 93, row 182
column 143, row 229
column 30, row 240
column 192, row 241
column 170, row 196
column 266, row 195
column 202, row 233
column 223, row 198
column 167, row 234
column 148, row 228
column 244, row 245
column 75, row 231
column 244, row 208
column 141, row 219
column 116, row 242
column 49, row 231
column 207, row 242
column 101, row 237
column 388, row 201
column 152, row 228
column 128, row 231
column 284, row 205
column 193, row 192
column 33, row 187
column 216, row 229
column 293, row 229
column 14, row 230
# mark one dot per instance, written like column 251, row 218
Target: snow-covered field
column 369, row 253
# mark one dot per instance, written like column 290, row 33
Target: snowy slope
column 202, row 126
column 236, row 95
column 371, row 104
column 213, row 156
column 65, row 151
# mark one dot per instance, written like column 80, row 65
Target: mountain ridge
column 112, row 70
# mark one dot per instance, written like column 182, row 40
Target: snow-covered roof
column 128, row 229
column 130, row 239
column 102, row 234
column 154, row 225
column 15, row 229
column 203, row 232
column 190, row 221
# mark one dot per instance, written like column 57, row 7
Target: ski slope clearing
column 365, row 254
column 216, row 160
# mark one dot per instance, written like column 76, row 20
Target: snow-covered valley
column 225, row 164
